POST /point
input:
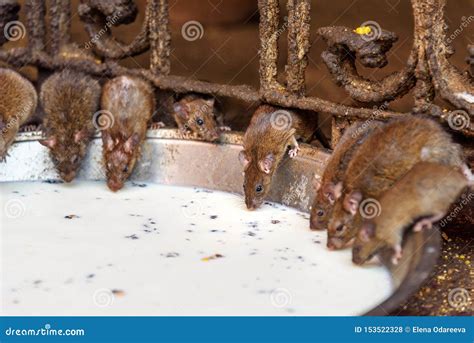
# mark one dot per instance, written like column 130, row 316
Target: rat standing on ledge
column 69, row 100
column 271, row 131
column 420, row 198
column 330, row 183
column 18, row 100
column 195, row 114
column 130, row 102
column 384, row 157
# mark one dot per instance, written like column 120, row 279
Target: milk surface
column 152, row 249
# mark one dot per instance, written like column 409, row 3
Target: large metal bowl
column 168, row 159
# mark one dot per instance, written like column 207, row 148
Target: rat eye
column 125, row 170
column 259, row 188
column 200, row 122
column 340, row 228
column 320, row 213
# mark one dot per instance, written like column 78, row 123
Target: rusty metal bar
column 160, row 37
column 35, row 24
column 298, row 44
column 60, row 23
column 269, row 19
column 428, row 64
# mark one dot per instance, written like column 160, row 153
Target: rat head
column 366, row 244
column 257, row 178
column 326, row 196
column 342, row 226
column 120, row 158
column 197, row 116
column 68, row 152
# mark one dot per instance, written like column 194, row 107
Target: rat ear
column 108, row 141
column 180, row 110
column 243, row 159
column 332, row 191
column 80, row 135
column 367, row 232
column 210, row 102
column 317, row 182
column 49, row 142
column 131, row 143
column 266, row 163
column 351, row 202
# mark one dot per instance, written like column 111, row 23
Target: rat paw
column 225, row 128
column 423, row 224
column 157, row 126
column 397, row 256
column 293, row 152
column 3, row 157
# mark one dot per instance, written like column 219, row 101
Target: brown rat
column 18, row 100
column 271, row 131
column 420, row 198
column 69, row 100
column 129, row 102
column 196, row 114
column 385, row 156
column 334, row 171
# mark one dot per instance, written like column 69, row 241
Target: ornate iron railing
column 427, row 73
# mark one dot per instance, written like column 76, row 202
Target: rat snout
column 315, row 224
column 114, row 185
column 335, row 243
column 356, row 258
column 69, row 176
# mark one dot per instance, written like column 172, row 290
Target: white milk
column 147, row 250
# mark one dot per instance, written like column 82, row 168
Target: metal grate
column 427, row 71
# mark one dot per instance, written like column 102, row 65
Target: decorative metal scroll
column 427, row 72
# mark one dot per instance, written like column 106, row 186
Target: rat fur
column 271, row 131
column 196, row 114
column 69, row 99
column 130, row 103
column 385, row 156
column 420, row 198
column 327, row 185
column 18, row 101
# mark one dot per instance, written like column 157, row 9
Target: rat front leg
column 294, row 147
column 397, row 253
column 157, row 126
